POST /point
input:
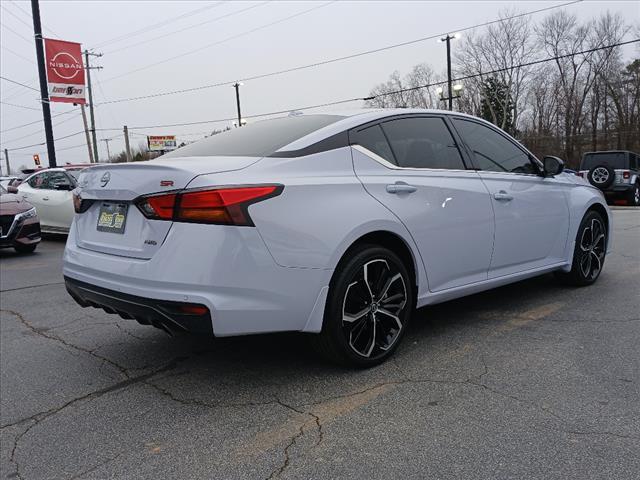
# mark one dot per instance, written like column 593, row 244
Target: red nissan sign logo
column 65, row 65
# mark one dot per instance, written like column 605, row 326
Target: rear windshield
column 256, row 139
column 610, row 159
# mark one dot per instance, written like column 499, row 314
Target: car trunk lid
column 112, row 189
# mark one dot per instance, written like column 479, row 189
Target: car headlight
column 29, row 214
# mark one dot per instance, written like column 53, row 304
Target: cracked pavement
column 533, row 380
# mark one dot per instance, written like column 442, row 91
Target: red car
column 19, row 223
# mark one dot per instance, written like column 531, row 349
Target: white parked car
column 337, row 225
column 50, row 192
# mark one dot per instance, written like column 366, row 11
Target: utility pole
column 44, row 92
column 126, row 143
column 450, row 96
column 449, row 86
column 107, row 140
column 86, row 132
column 93, row 120
column 6, row 158
column 237, row 87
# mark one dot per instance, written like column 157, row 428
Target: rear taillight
column 158, row 207
column 626, row 174
column 81, row 205
column 221, row 206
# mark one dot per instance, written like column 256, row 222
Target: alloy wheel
column 600, row 175
column 372, row 307
column 592, row 249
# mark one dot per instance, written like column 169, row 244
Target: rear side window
column 492, row 151
column 374, row 140
column 615, row 160
column 423, row 142
column 256, row 139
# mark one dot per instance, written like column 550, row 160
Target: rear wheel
column 634, row 195
column 589, row 252
column 368, row 308
column 25, row 248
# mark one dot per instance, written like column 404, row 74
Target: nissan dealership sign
column 65, row 71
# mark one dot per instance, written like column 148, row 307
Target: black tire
column 25, row 248
column 601, row 176
column 634, row 195
column 343, row 341
column 589, row 252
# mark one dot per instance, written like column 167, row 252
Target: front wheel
column 368, row 308
column 589, row 252
column 30, row 248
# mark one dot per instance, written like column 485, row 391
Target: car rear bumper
column 169, row 316
column 619, row 188
column 227, row 269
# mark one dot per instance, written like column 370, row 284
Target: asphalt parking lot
column 533, row 380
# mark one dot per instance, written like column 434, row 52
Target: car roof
column 602, row 152
column 355, row 118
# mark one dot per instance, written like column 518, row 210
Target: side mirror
column 552, row 166
column 12, row 189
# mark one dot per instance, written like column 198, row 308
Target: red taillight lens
column 222, row 206
column 80, row 205
column 158, row 207
column 626, row 174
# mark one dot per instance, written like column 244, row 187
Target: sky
column 154, row 46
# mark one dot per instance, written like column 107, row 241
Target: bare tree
column 501, row 49
column 561, row 35
column 410, row 91
column 583, row 97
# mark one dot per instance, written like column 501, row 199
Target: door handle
column 502, row 196
column 401, row 187
column 45, row 198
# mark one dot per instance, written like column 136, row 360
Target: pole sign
column 161, row 142
column 65, row 71
column 36, row 159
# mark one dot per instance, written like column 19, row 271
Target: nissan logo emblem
column 105, row 179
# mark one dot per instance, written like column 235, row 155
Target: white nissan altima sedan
column 335, row 224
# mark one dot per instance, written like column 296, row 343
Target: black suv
column 615, row 172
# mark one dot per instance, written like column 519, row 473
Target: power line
column 229, row 119
column 20, row 56
column 338, row 102
column 16, row 16
column 29, row 40
column 41, row 130
column 44, row 143
column 233, row 37
column 186, row 28
column 154, row 26
column 72, row 147
column 28, row 15
column 20, row 106
column 34, row 122
column 18, row 83
column 467, row 77
column 491, row 72
column 337, row 59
